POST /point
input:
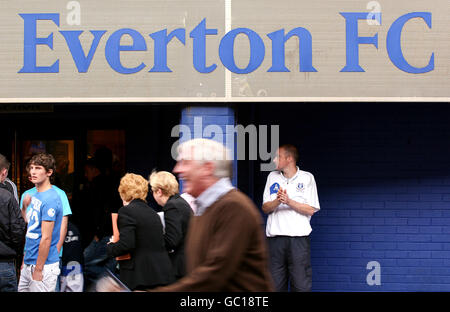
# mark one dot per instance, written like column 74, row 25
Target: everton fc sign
column 56, row 51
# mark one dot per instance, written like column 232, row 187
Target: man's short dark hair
column 290, row 150
column 45, row 160
column 4, row 163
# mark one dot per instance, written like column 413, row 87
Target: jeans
column 8, row 278
column 96, row 260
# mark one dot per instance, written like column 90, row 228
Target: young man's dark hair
column 45, row 160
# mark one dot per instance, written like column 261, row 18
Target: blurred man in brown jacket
column 225, row 244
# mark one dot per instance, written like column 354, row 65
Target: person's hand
column 282, row 196
column 37, row 275
column 111, row 240
column 279, row 194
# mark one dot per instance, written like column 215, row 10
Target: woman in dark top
column 141, row 236
column 177, row 214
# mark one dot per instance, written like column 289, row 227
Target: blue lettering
column 394, row 48
column 353, row 40
column 31, row 41
column 226, row 50
column 73, row 42
column 113, row 49
column 198, row 34
column 161, row 40
column 305, row 50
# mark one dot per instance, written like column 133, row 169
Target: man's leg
column 25, row 279
column 277, row 264
column 299, row 263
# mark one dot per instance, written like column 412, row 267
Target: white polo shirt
column 284, row 220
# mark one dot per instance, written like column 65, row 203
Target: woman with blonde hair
column 177, row 214
column 141, row 236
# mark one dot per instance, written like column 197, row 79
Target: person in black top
column 145, row 263
column 12, row 234
column 72, row 261
column 177, row 214
column 99, row 200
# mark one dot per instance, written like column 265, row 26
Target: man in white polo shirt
column 290, row 199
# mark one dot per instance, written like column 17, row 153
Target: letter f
column 353, row 40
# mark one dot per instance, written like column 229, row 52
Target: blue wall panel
column 383, row 177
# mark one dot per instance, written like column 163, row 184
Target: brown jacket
column 226, row 249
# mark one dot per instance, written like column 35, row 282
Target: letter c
column 394, row 48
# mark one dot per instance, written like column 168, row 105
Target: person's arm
column 44, row 248
column 269, row 202
column 270, row 206
column 62, row 233
column 23, row 212
column 17, row 226
column 65, row 220
column 173, row 232
column 127, row 238
column 116, row 233
column 303, row 209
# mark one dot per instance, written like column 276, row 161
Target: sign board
column 224, row 50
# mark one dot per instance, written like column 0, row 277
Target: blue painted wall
column 383, row 176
